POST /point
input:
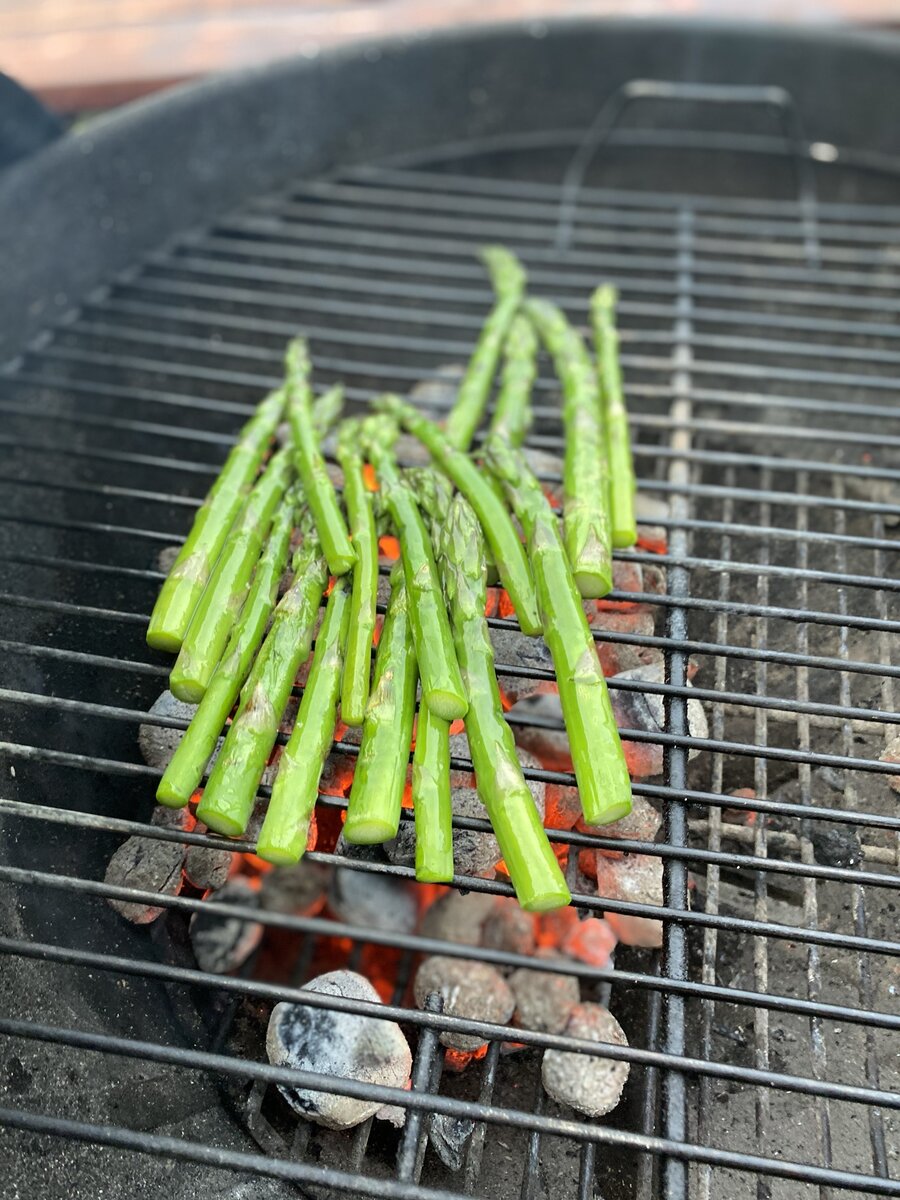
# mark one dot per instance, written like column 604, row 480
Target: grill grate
column 757, row 369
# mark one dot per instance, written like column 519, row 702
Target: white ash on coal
column 636, row 879
column 586, row 1082
column 222, row 944
column 158, row 742
column 296, row 889
column 469, row 989
column 544, row 999
column 373, row 901
column 172, row 818
column 891, row 754
column 644, row 710
column 508, row 927
column 474, row 853
column 457, row 918
column 641, row 825
column 148, row 865
column 206, row 867
column 449, row 1136
column 513, row 648
column 165, row 559
column 437, row 395
column 346, row 1045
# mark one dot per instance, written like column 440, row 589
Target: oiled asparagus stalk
column 585, row 475
column 224, row 596
column 184, row 585
column 358, row 499
column 285, row 830
column 512, row 412
column 317, row 486
column 376, row 796
column 597, row 756
column 231, row 790
column 442, row 687
column 615, row 417
column 508, row 279
column 185, row 770
column 506, row 546
column 529, row 857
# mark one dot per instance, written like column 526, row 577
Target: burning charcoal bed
column 714, row 1015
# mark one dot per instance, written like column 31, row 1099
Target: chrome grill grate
column 760, row 347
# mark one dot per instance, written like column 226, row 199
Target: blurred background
column 79, row 55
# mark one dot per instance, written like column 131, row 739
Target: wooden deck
column 80, row 54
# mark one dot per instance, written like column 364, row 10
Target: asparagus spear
column 508, row 279
column 507, row 549
column 593, row 738
column 442, row 686
column 615, row 417
column 320, row 494
column 432, row 801
column 585, row 476
column 185, row 770
column 229, row 583
column 532, row 865
column 184, row 585
column 355, row 692
column 512, row 412
column 231, row 790
column 376, row 797
column 285, row 830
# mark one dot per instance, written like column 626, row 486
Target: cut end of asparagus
column 369, row 831
column 593, row 585
column 187, row 687
column 340, row 564
column 283, row 855
column 432, row 875
column 449, row 705
column 164, row 639
column 540, row 902
column 605, row 814
column 171, row 796
column 624, row 537
column 219, row 822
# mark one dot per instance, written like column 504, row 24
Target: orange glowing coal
column 458, row 1060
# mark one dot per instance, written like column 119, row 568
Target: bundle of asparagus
column 456, row 521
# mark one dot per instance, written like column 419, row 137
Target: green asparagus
column 231, row 790
column 185, row 770
column 184, row 585
column 285, row 830
column 224, row 597
column 432, row 801
column 532, row 865
column 585, row 478
column 442, row 686
column 317, row 486
column 512, row 412
column 358, row 499
column 376, row 796
column 508, row 279
column 615, row 417
column 508, row 551
column 597, row 755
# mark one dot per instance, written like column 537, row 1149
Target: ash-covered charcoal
column 437, row 395
column 373, row 901
column 469, row 989
column 508, row 927
column 295, row 889
column 642, row 710
column 158, row 742
column 149, row 865
column 206, row 867
column 173, row 818
column 223, row 944
column 346, row 1045
column 450, row 1136
column 636, row 879
column 585, row 1082
column 165, row 560
column 641, row 825
column 544, row 999
column 548, row 468
column 457, row 918
column 513, row 648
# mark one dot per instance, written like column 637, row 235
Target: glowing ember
column 458, row 1060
